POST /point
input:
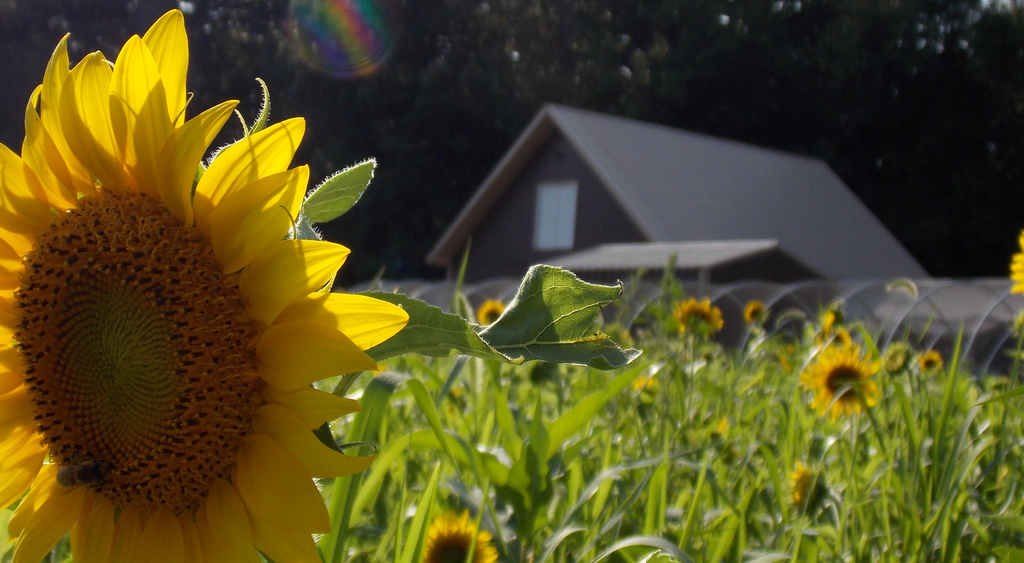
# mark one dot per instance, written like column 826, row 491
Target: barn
column 600, row 194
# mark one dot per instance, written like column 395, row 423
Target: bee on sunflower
column 162, row 334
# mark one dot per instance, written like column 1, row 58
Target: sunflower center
column 842, row 376
column 138, row 353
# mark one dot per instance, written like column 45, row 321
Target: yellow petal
column 290, row 431
column 23, row 205
column 11, row 266
column 224, row 526
column 190, row 536
column 254, row 157
column 85, row 121
column 253, row 218
column 20, row 469
column 127, row 532
column 294, row 354
column 181, row 155
column 10, row 369
column 365, row 320
column 275, row 487
column 15, row 409
column 281, row 544
column 41, row 154
column 313, row 406
column 142, row 111
column 161, row 540
column 48, row 524
column 43, row 487
column 289, row 271
column 49, row 112
column 167, row 41
column 93, row 536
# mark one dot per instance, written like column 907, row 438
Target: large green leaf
column 339, row 193
column 430, row 332
column 552, row 318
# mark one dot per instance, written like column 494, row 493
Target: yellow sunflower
column 699, row 316
column 930, row 361
column 800, row 484
column 154, row 380
column 839, row 378
column 1017, row 267
column 489, row 311
column 753, row 311
column 450, row 537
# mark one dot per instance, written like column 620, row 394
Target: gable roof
column 682, row 186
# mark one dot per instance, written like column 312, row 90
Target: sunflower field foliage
column 178, row 372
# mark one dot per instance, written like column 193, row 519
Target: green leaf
column 264, row 116
column 646, row 541
column 584, row 411
column 417, row 537
column 1015, row 392
column 430, row 332
column 375, row 403
column 552, row 318
column 337, row 194
column 1009, row 554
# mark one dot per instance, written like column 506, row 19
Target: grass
column 563, row 463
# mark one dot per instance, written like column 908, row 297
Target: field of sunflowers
column 170, row 388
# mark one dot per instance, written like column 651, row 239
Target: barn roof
column 655, row 255
column 681, row 186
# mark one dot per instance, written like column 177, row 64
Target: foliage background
column 917, row 104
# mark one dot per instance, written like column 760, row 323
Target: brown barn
column 577, row 179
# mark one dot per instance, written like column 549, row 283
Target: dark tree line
column 918, row 105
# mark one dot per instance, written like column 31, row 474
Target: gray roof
column 680, row 186
column 655, row 255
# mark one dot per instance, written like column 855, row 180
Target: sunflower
column 1017, row 267
column 699, row 316
column 155, row 395
column 450, row 538
column 840, row 381
column 489, row 311
column 930, row 361
column 800, row 484
column 895, row 357
column 753, row 311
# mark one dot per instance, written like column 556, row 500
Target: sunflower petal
column 11, row 375
column 161, row 540
column 281, row 544
column 127, row 533
column 252, row 219
column 85, row 121
column 56, row 74
column 290, row 430
column 224, row 526
column 294, row 354
column 19, row 470
column 193, row 543
column 40, row 153
column 365, row 320
column 15, row 408
column 23, row 205
column 254, row 157
column 289, row 271
column 181, row 155
column 313, row 406
column 92, row 536
column 142, row 111
column 275, row 487
column 168, row 43
column 11, row 266
column 43, row 487
column 48, row 524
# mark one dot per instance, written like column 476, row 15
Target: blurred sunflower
column 1017, row 267
column 489, row 311
column 753, row 311
column 156, row 399
column 895, row 357
column 800, row 484
column 698, row 316
column 843, row 337
column 930, row 361
column 450, row 537
column 839, row 378
column 648, row 387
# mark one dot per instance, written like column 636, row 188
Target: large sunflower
column 158, row 343
column 839, row 379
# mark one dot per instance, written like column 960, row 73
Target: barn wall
column 503, row 243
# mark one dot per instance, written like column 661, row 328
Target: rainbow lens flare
column 344, row 38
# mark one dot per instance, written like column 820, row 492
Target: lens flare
column 344, row 38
